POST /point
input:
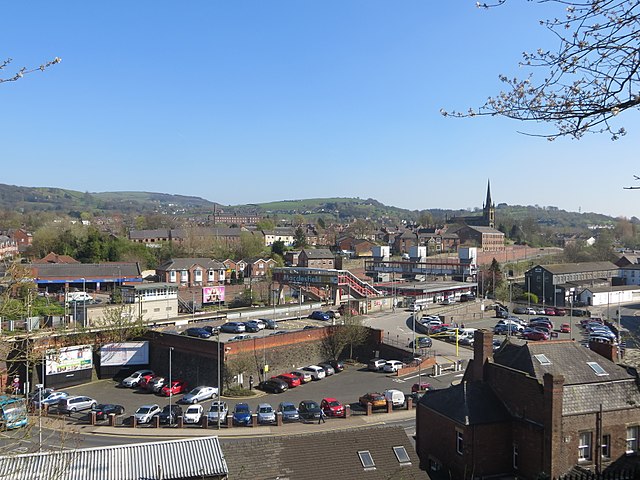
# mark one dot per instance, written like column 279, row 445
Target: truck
column 78, row 297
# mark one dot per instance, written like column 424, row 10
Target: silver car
column 218, row 409
column 76, row 403
column 200, row 394
column 134, row 379
column 145, row 413
column 266, row 413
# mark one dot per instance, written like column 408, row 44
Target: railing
column 362, row 288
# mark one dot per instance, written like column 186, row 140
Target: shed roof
column 564, row 268
column 176, row 459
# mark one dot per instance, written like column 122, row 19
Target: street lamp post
column 219, row 386
column 170, row 387
column 413, row 316
column 42, row 381
column 84, row 301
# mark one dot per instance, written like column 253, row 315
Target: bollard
column 156, row 421
column 389, row 406
column 133, row 421
column 92, row 417
column 254, row 419
column 112, row 419
column 278, row 419
column 229, row 421
column 409, row 403
column 347, row 411
column 205, row 422
column 369, row 408
column 180, row 421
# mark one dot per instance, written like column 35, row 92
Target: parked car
column 328, row 369
column 198, row 332
column 266, row 413
column 145, row 413
column 376, row 364
column 251, row 327
column 332, row 407
column 170, row 414
column 520, row 310
column 233, row 327
column 318, row 315
column 241, row 414
column 218, row 410
column 258, row 324
column 52, row 398
column 396, row 397
column 134, row 379
column 305, row 377
column 290, row 379
column 103, row 410
column 76, row 403
column 289, row 412
column 200, row 394
column 142, row 384
column 422, row 342
column 176, row 387
column 533, row 334
column 392, row 366
column 270, row 324
column 317, row 373
column 273, row 385
column 376, row 400
column 333, row 314
column 504, row 329
column 565, row 328
column 237, row 338
column 155, row 384
column 550, row 311
column 212, row 329
column 420, row 387
column 337, row 365
column 193, row 414
column 309, row 410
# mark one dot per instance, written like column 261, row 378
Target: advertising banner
column 213, row 294
column 124, row 353
column 69, row 359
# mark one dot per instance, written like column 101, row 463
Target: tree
column 13, row 77
column 278, row 248
column 351, row 333
column 591, row 77
column 299, row 239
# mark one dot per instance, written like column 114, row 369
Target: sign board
column 69, row 359
column 124, row 353
column 213, row 294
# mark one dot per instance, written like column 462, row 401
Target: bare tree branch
column 24, row 70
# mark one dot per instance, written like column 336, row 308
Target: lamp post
column 42, row 381
column 170, row 387
column 413, row 317
column 84, row 301
column 219, row 386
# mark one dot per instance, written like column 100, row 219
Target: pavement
column 356, row 420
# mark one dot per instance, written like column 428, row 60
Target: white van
column 79, row 297
column 396, row 397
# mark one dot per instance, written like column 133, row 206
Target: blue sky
column 253, row 101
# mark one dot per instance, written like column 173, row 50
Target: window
column 584, row 447
column 367, row 460
column 515, row 456
column 606, row 446
column 459, row 442
column 632, row 439
column 542, row 358
column 599, row 371
column 402, row 455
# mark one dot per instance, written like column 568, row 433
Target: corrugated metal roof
column 566, row 268
column 176, row 459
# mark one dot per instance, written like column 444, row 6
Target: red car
column 420, row 387
column 177, row 386
column 565, row 328
column 290, row 379
column 535, row 335
column 332, row 407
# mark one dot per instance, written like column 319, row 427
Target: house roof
column 318, row 253
column 55, row 258
column 587, row 398
column 187, row 263
column 89, row 271
column 176, row 459
column 481, row 229
column 564, row 268
column 330, row 454
column 468, row 403
column 607, row 288
column 565, row 357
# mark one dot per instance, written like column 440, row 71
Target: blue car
column 318, row 315
column 289, row 412
column 197, row 332
column 241, row 414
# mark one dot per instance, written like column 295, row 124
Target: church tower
column 489, row 209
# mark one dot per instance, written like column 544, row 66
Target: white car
column 193, row 414
column 392, row 366
column 217, row 410
column 133, row 380
column 317, row 373
column 200, row 394
column 145, row 413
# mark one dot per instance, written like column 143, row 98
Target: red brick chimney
column 482, row 351
column 607, row 350
column 552, row 405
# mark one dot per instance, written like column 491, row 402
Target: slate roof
column 318, row 253
column 481, row 229
column 322, row 456
column 176, row 459
column 142, row 234
column 468, row 403
column 587, row 398
column 567, row 358
column 617, row 288
column 564, row 268
column 85, row 270
column 187, row 263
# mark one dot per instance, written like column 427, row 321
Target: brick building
column 316, row 258
column 192, row 272
column 487, row 239
column 528, row 409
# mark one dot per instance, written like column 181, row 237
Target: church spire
column 488, row 203
column 489, row 209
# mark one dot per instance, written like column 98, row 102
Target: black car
column 212, row 329
column 102, row 410
column 309, row 410
column 337, row 365
column 251, row 327
column 170, row 414
column 422, row 342
column 273, row 385
column 196, row 332
column 521, row 310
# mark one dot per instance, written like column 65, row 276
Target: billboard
column 69, row 359
column 124, row 353
column 213, row 294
